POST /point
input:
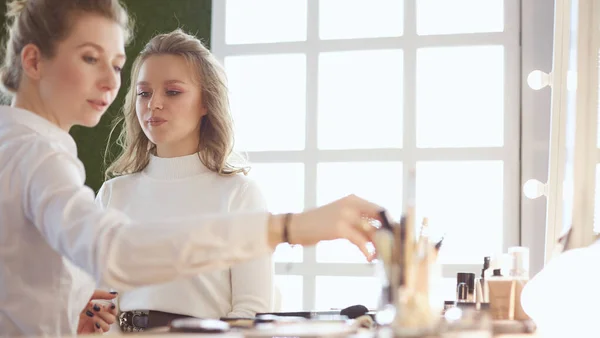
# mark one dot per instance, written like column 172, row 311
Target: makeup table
column 363, row 333
column 240, row 335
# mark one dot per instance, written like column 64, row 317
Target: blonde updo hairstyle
column 44, row 23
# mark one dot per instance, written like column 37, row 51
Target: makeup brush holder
column 411, row 302
column 418, row 309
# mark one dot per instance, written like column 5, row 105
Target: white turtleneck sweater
column 184, row 187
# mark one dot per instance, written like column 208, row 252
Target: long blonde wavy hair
column 215, row 148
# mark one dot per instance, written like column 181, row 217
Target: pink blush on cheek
column 74, row 78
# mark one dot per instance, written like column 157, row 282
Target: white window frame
column 409, row 154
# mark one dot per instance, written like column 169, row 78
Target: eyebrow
column 145, row 83
column 98, row 48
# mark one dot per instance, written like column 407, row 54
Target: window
column 337, row 96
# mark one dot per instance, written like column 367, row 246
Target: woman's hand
column 344, row 218
column 97, row 317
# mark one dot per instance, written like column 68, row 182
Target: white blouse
column 49, row 223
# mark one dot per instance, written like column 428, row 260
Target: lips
column 99, row 105
column 155, row 121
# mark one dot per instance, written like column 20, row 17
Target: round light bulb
column 538, row 80
column 453, row 314
column 534, row 189
column 386, row 315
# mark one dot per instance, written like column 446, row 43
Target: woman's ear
column 31, row 58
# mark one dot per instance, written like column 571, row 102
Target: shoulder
column 21, row 127
column 239, row 183
column 122, row 181
column 29, row 150
column 115, row 186
column 246, row 194
column 28, row 139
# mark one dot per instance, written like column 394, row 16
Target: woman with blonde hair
column 62, row 68
column 176, row 160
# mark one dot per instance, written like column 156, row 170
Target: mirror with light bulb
column 574, row 118
column 558, row 297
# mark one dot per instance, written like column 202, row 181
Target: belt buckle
column 127, row 319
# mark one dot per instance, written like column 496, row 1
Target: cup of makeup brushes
column 417, row 302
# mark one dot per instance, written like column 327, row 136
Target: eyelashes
column 92, row 61
column 148, row 94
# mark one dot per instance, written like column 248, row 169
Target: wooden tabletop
column 163, row 333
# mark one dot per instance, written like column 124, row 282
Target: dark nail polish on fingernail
column 96, row 307
column 113, row 306
column 89, row 313
column 114, row 293
column 97, row 325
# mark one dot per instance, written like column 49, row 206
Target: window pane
column 282, row 184
column 283, row 187
column 460, row 97
column 340, row 292
column 380, row 182
column 459, row 16
column 464, row 201
column 264, row 21
column 268, row 100
column 352, row 19
column 361, row 90
column 290, row 290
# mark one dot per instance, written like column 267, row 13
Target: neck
column 27, row 99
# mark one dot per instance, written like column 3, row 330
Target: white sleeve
column 103, row 200
column 562, row 292
column 123, row 254
column 251, row 282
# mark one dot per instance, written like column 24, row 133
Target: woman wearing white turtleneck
column 173, row 187
column 177, row 143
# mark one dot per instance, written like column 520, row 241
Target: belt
column 141, row 320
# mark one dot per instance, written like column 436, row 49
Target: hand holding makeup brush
column 341, row 219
